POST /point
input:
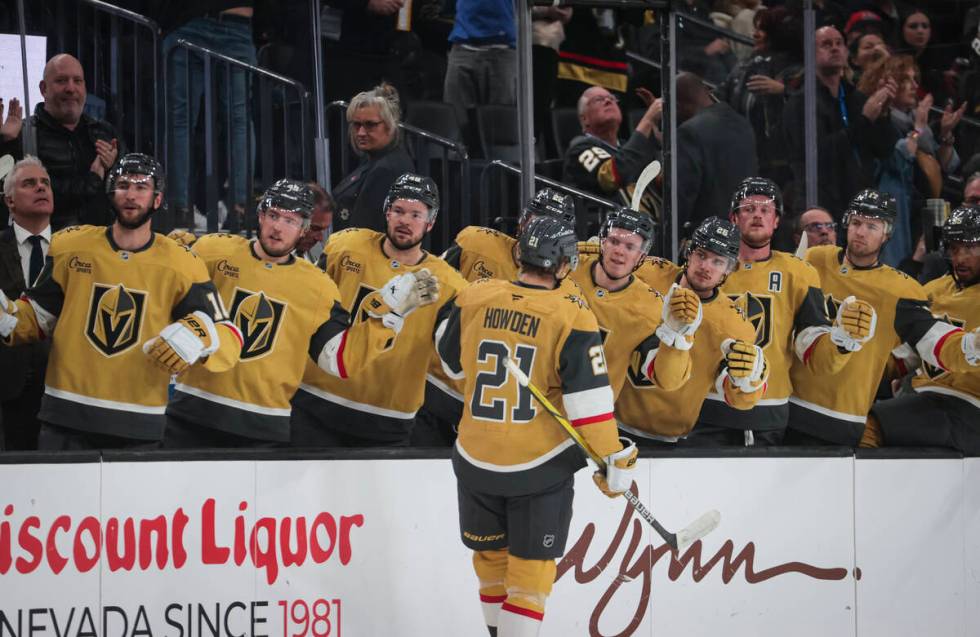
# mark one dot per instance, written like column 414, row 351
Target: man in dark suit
column 23, row 248
column 715, row 152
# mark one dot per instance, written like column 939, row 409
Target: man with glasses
column 598, row 161
column 380, row 409
column 943, row 408
column 819, row 226
column 780, row 295
column 287, row 312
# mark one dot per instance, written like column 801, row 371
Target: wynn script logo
column 638, row 564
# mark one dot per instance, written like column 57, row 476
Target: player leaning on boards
column 724, row 342
column 479, row 253
column 513, row 463
column 780, row 295
column 380, row 409
column 287, row 311
column 635, row 321
column 103, row 292
column 944, row 407
column 832, row 409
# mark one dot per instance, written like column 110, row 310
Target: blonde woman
column 372, row 124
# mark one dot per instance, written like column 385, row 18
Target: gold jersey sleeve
column 649, row 411
column 99, row 304
column 627, row 318
column 483, row 253
column 835, row 407
column 507, row 443
column 960, row 307
column 393, row 383
column 286, row 314
column 659, row 273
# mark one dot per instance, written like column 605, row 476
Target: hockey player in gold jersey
column 723, row 357
column 287, row 311
column 634, row 319
column 478, row 253
column 106, row 296
column 781, row 297
column 513, row 463
column 833, row 409
column 944, row 407
column 485, row 253
column 328, row 411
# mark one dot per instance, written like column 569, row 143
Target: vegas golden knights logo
column 258, row 318
column 115, row 316
column 758, row 310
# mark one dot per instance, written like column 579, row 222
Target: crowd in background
column 896, row 90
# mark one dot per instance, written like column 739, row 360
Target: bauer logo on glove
column 854, row 324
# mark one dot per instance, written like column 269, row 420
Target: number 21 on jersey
column 489, row 404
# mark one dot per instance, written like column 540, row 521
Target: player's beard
column 402, row 244
column 133, row 224
column 861, row 252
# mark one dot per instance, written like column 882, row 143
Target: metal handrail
column 572, row 190
column 636, row 57
column 439, row 140
column 132, row 16
column 258, row 70
column 727, row 33
column 251, row 70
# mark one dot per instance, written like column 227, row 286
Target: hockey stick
column 647, row 175
column 677, row 541
column 804, row 244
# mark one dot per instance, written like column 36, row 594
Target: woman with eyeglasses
column 921, row 156
column 372, row 124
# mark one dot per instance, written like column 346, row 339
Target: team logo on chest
column 757, row 308
column 115, row 316
column 258, row 317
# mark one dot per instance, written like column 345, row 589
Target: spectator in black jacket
column 76, row 149
column 372, row 120
column 851, row 132
column 715, row 152
column 758, row 87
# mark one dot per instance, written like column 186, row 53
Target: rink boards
column 823, row 545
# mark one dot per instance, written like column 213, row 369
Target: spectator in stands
column 743, row 23
column 861, row 22
column 971, row 193
column 851, row 129
column 483, row 60
column 547, row 34
column 76, row 149
column 933, row 59
column 916, row 151
column 598, row 161
column 700, row 49
column 23, row 248
column 866, row 51
column 757, row 88
column 716, row 150
column 819, row 226
column 310, row 245
column 372, row 120
column 890, row 12
column 227, row 30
